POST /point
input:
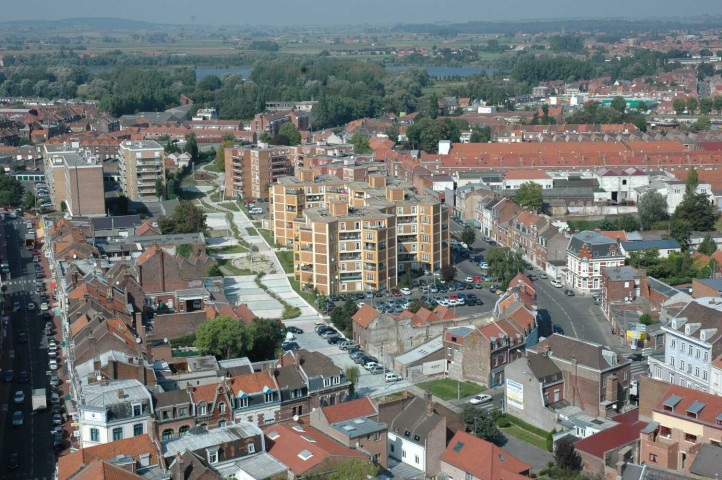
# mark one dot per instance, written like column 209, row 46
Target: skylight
column 459, row 445
column 305, row 455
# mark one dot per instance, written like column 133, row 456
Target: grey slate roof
column 705, row 311
column 645, row 244
column 625, row 273
column 599, row 245
column 358, row 427
column 542, row 366
column 708, row 462
column 172, row 397
column 415, row 420
column 586, row 353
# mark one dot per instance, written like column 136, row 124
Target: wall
column 534, row 411
column 407, row 452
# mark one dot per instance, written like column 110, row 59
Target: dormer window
column 269, row 397
column 212, row 455
column 222, row 408
column 202, row 410
column 137, row 409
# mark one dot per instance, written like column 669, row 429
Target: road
column 32, row 440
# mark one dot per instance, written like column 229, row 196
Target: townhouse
column 468, row 457
column 596, row 379
column 325, row 383
column 587, row 253
column 693, row 340
column 353, row 236
column 685, row 430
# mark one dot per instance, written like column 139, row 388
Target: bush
column 503, row 422
column 185, row 341
column 526, row 426
column 290, row 312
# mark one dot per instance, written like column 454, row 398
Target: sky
column 346, row 12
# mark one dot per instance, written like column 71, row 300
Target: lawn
column 526, row 436
column 227, row 266
column 229, row 249
column 309, row 297
column 252, row 231
column 267, row 235
column 446, row 388
column 230, row 206
column 286, row 259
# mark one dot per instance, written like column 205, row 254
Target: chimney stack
column 429, row 401
column 121, row 394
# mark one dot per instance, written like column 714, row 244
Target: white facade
column 514, row 183
column 407, row 451
column 670, row 188
column 621, row 183
column 588, row 252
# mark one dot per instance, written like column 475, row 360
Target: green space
column 309, row 297
column 447, row 389
column 252, row 231
column 286, row 259
column 267, row 235
column 230, row 206
column 229, row 249
column 526, row 436
column 227, row 266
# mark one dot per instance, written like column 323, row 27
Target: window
column 673, row 343
column 671, row 361
column 203, row 410
column 392, row 448
column 468, row 476
column 117, row 434
column 167, row 434
column 690, row 438
column 222, row 407
column 689, row 350
column 705, row 356
column 243, row 402
column 137, row 409
column 137, row 429
column 213, row 457
column 182, row 412
column 681, row 364
column 251, row 448
column 165, row 414
column 682, row 348
column 269, row 397
column 403, row 453
column 704, row 374
column 326, row 382
column 94, row 435
column 696, row 371
column 416, row 459
column 221, row 423
column 182, row 431
column 653, row 458
column 625, row 374
column 696, row 353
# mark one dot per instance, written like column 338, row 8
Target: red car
column 395, row 292
column 34, row 252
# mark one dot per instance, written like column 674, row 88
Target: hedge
column 526, row 426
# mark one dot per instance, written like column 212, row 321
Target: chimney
column 96, row 363
column 612, row 388
column 429, row 400
column 179, row 460
column 121, row 394
column 142, row 373
column 575, row 365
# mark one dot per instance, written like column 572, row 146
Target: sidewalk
column 614, row 341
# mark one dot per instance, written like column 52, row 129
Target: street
column 32, row 441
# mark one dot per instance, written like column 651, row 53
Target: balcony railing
column 353, row 276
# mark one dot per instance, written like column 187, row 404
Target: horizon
column 375, row 12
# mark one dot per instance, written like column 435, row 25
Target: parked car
column 391, row 377
column 376, row 369
column 9, row 376
column 346, row 345
column 14, row 461
column 543, row 275
column 480, row 399
column 16, row 306
column 57, row 419
column 295, row 330
column 19, row 397
column 288, row 346
column 556, row 283
column 569, row 293
column 405, row 291
column 371, row 364
column 329, row 332
column 17, row 418
column 556, row 328
column 23, row 377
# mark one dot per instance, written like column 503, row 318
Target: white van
column 257, row 211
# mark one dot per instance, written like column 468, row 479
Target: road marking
column 565, row 312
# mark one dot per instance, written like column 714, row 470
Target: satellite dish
column 99, row 377
column 295, row 418
column 165, row 340
column 137, row 340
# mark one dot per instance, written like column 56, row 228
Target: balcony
column 370, row 246
column 370, row 266
column 349, row 236
column 306, row 268
column 349, row 256
column 349, row 277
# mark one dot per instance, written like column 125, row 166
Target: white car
column 405, row 291
column 391, row 377
column 44, row 307
column 53, row 365
column 31, row 306
column 469, row 279
column 479, row 399
column 556, row 283
column 19, row 397
column 370, row 365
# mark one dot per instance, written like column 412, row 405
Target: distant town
column 479, row 252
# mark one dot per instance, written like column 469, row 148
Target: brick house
column 542, row 385
column 159, row 271
column 173, row 414
column 605, row 452
column 471, row 458
column 596, row 379
column 622, row 284
column 326, row 382
column 256, row 398
column 683, row 422
column 356, row 425
column 293, row 391
column 212, row 405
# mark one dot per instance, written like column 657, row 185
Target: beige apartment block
column 141, row 163
column 353, row 236
column 251, row 170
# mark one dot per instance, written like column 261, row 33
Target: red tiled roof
column 615, row 234
column 627, row 431
column 134, row 447
column 253, row 383
column 525, row 175
column 362, row 407
column 204, row 393
column 289, row 443
column 482, row 459
column 365, row 315
column 713, row 404
column 102, row 470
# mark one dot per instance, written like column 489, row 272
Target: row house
column 685, row 431
column 588, row 253
column 326, row 383
column 693, row 340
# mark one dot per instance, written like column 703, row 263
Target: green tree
column 646, row 319
column 432, row 110
column 480, row 135
column 652, row 208
column 355, row 469
column 159, row 188
column 707, row 246
column 29, row 201
column 341, row 316
column 703, row 124
column 265, row 137
column 504, row 263
column 706, row 105
column 566, row 457
column 480, row 423
column 224, row 337
column 696, row 208
column 717, row 103
column 191, row 147
column 619, row 104
column 267, row 339
column 679, row 105
column 418, row 304
column 468, row 235
column 529, row 196
column 448, row 272
column 289, row 134
column 642, row 106
column 214, row 271
column 12, row 192
column 221, row 155
column 352, row 375
column 184, row 250
column 360, row 143
column 680, row 230
column 186, row 218
column 64, row 206
column 692, row 105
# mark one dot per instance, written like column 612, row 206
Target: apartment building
column 251, row 170
column 354, row 236
column 74, row 177
column 693, row 339
column 685, row 432
column 588, row 252
column 141, row 164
